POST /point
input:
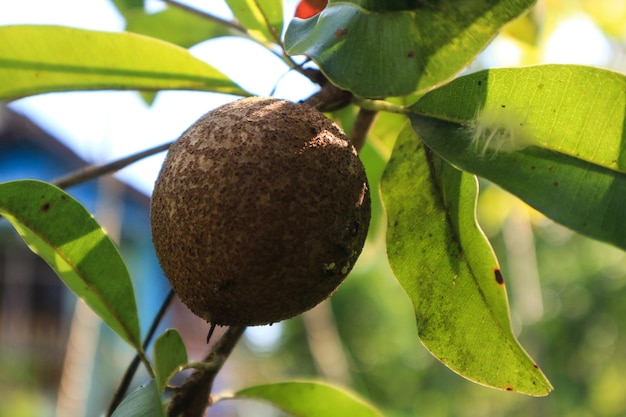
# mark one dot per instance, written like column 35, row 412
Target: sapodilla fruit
column 259, row 212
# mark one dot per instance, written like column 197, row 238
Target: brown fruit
column 259, row 212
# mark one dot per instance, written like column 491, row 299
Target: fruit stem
column 192, row 398
column 361, row 127
column 329, row 98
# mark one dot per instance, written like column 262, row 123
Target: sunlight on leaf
column 446, row 266
column 62, row 232
column 553, row 135
column 396, row 52
column 170, row 355
column 310, row 399
column 174, row 25
column 42, row 59
column 263, row 19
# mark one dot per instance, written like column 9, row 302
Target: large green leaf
column 263, row 19
column 41, row 59
column 174, row 25
column 310, row 399
column 447, row 267
column 169, row 357
column 145, row 401
column 62, row 232
column 553, row 135
column 375, row 52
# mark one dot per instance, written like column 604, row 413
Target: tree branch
column 93, row 171
column 361, row 128
column 193, row 397
column 329, row 98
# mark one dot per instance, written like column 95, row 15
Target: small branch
column 202, row 366
column 362, row 125
column 92, row 171
column 288, row 60
column 132, row 368
column 268, row 24
column 193, row 397
column 380, row 105
column 329, row 98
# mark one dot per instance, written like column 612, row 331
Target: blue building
column 53, row 354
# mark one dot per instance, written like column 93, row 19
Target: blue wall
column 24, row 156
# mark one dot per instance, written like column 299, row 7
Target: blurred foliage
column 577, row 334
column 580, row 339
column 574, row 326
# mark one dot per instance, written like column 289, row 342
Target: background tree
column 551, row 135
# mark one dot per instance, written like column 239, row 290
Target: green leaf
column 553, row 135
column 174, row 25
column 41, row 59
column 169, row 357
column 263, row 19
column 61, row 231
column 126, row 5
column 378, row 52
column 446, row 266
column 145, row 401
column 310, row 399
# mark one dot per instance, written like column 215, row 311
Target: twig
column 92, row 171
column 360, row 129
column 120, row 392
column 329, row 98
column 268, row 24
column 193, row 397
column 279, row 41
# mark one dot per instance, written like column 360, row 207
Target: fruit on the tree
column 259, row 212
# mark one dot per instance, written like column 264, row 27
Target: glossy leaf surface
column 61, row 231
column 42, row 59
column 170, row 355
column 310, row 399
column 446, row 266
column 379, row 49
column 263, row 19
column 553, row 135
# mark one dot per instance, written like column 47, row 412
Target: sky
column 103, row 126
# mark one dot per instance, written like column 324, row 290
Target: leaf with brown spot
column 446, row 266
column 61, row 231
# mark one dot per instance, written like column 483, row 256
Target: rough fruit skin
column 259, row 212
